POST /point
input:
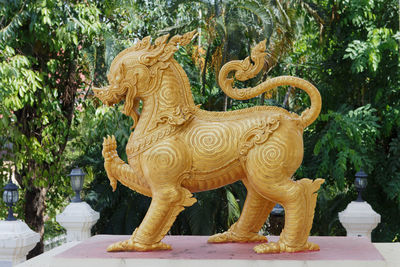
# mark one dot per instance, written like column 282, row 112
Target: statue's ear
column 182, row 40
column 161, row 40
column 171, row 47
column 155, row 51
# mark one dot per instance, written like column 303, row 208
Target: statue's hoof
column 312, row 246
column 278, row 247
column 229, row 237
column 130, row 245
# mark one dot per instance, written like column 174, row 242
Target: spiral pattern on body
column 165, row 160
column 168, row 91
column 272, row 155
column 210, row 143
column 168, row 96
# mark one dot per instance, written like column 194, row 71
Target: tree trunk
column 285, row 102
column 224, row 60
column 225, row 102
column 262, row 99
column 34, row 215
column 203, row 75
column 264, row 77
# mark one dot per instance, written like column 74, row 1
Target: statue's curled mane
column 147, row 54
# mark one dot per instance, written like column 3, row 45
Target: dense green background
column 52, row 53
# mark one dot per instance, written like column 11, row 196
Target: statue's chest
column 161, row 125
column 137, row 144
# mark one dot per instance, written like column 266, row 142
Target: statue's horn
column 171, row 47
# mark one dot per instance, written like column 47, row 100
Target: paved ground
column 195, row 251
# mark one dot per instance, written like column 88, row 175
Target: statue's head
column 132, row 71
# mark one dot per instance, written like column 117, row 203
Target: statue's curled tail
column 245, row 69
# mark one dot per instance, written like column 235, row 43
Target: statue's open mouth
column 106, row 96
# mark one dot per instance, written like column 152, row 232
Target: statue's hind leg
column 255, row 212
column 299, row 202
column 297, row 197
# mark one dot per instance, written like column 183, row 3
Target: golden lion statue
column 177, row 148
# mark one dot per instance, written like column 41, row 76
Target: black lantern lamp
column 77, row 178
column 276, row 220
column 278, row 210
column 10, row 197
column 360, row 183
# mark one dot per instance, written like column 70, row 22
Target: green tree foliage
column 52, row 52
column 350, row 50
column 42, row 80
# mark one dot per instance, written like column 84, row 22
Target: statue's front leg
column 118, row 170
column 166, row 204
column 148, row 235
column 111, row 159
column 164, row 167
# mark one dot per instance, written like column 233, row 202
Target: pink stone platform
column 197, row 248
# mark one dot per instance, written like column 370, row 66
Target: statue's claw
column 278, row 247
column 229, row 236
column 110, row 153
column 130, row 245
column 109, row 147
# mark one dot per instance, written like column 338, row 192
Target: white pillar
column 359, row 219
column 78, row 218
column 16, row 240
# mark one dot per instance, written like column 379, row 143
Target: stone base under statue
column 194, row 251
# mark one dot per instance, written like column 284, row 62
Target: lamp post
column 276, row 220
column 360, row 184
column 16, row 238
column 10, row 197
column 77, row 177
column 359, row 219
column 78, row 217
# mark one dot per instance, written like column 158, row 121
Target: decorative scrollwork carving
column 257, row 135
column 178, row 117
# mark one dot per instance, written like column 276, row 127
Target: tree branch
column 18, row 13
column 313, row 12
